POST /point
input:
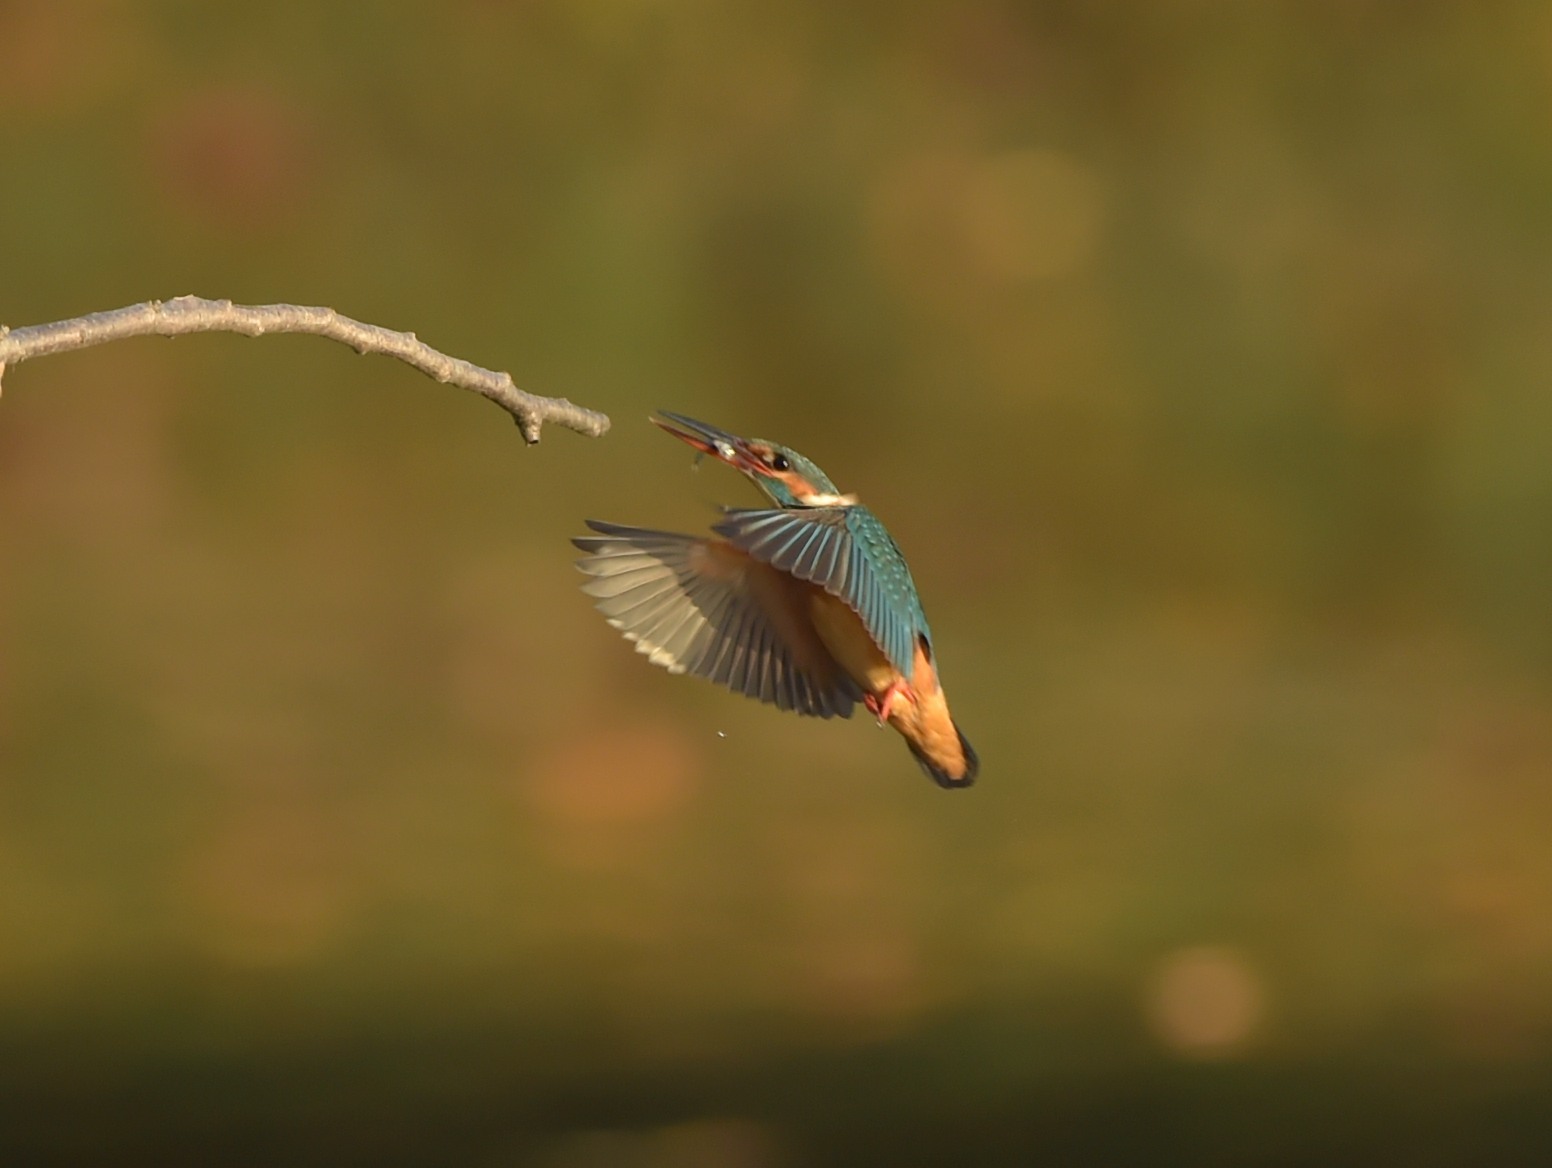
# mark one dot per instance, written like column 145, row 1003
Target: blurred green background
column 1199, row 354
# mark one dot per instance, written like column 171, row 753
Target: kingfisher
column 807, row 604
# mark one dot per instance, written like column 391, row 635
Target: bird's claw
column 881, row 705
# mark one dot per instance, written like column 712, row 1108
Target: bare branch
column 190, row 314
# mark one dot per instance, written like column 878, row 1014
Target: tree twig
column 190, row 314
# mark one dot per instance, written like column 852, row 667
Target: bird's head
column 781, row 472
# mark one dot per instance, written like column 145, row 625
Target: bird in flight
column 807, row 604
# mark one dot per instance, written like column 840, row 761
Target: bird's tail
column 957, row 770
column 935, row 740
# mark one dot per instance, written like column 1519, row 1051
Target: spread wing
column 691, row 605
column 848, row 553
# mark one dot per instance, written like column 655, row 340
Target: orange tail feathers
column 939, row 746
column 968, row 764
column 923, row 720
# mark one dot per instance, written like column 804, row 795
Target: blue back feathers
column 850, row 554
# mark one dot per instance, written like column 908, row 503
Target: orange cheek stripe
column 795, row 483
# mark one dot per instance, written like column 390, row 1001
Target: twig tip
column 527, row 425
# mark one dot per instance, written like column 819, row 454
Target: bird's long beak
column 730, row 448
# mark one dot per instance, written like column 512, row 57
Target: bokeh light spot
column 1031, row 215
column 603, row 792
column 701, row 1143
column 1205, row 1001
column 238, row 158
column 946, row 226
column 267, row 886
column 58, row 56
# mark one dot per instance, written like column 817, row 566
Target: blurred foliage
column 1197, row 353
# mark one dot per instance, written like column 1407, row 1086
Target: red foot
column 880, row 705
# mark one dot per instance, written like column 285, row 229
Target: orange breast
column 849, row 641
column 785, row 601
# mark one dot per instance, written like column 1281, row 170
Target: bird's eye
column 779, row 462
